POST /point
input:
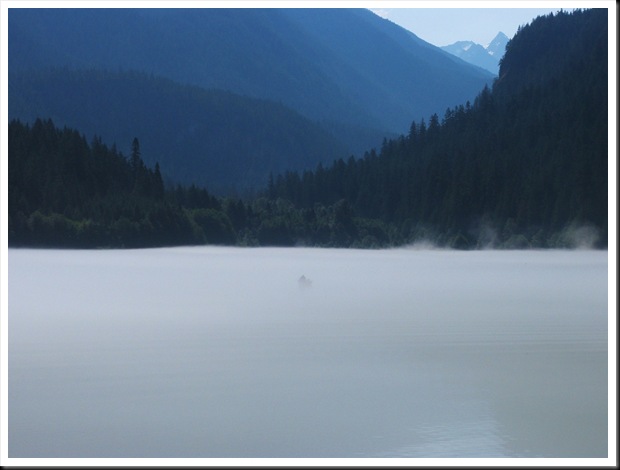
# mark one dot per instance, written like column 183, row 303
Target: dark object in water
column 304, row 282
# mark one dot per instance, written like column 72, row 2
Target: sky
column 443, row 26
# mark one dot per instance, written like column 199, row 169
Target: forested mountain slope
column 347, row 68
column 522, row 166
column 211, row 138
column 553, row 47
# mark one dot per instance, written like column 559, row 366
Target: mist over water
column 222, row 352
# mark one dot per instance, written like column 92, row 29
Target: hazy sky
column 443, row 26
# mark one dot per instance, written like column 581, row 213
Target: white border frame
column 612, row 291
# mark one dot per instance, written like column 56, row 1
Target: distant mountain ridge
column 212, row 138
column 346, row 68
column 487, row 57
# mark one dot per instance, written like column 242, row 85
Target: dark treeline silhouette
column 66, row 192
column 524, row 165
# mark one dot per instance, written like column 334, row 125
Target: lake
column 222, row 352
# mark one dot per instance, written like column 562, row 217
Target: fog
column 223, row 352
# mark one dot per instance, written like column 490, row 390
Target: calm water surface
column 219, row 352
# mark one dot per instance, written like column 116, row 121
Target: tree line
column 67, row 192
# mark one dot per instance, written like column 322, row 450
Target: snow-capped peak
column 486, row 56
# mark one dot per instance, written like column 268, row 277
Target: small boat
column 304, row 282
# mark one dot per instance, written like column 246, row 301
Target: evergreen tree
column 136, row 160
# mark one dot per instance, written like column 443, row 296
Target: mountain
column 487, row 57
column 358, row 75
column 548, row 48
column 524, row 166
column 497, row 47
column 213, row 138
